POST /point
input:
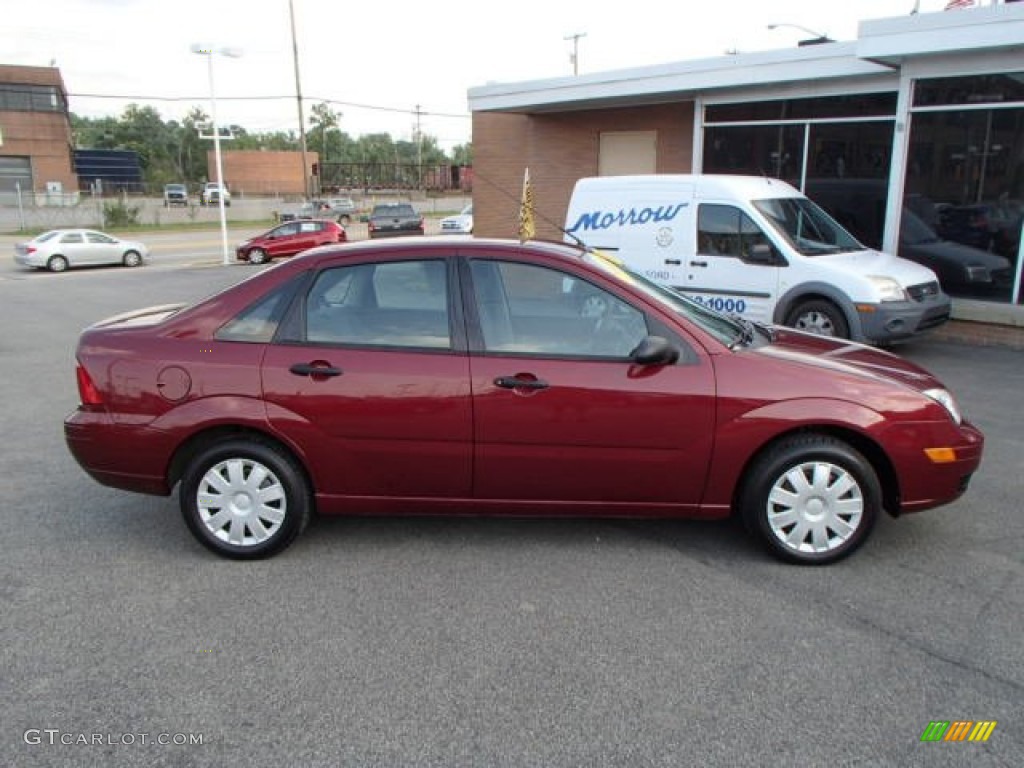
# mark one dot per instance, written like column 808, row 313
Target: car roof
column 447, row 244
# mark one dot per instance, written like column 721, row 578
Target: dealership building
column 921, row 113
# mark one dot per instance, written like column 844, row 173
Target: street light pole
column 816, row 37
column 208, row 51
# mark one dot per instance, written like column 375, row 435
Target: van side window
column 724, row 230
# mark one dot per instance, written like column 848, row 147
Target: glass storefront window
column 770, row 150
column 852, row 105
column 968, row 165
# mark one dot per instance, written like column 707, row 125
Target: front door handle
column 315, row 369
column 520, row 382
column 698, row 263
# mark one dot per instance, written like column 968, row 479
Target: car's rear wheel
column 244, row 499
column 132, row 259
column 813, row 499
column 57, row 264
column 257, row 256
column 820, row 317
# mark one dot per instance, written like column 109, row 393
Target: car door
column 561, row 412
column 310, row 235
column 102, row 249
column 281, row 241
column 73, row 248
column 724, row 274
column 369, row 377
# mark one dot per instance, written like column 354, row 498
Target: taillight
column 87, row 391
column 371, row 226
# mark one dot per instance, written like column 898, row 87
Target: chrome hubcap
column 816, row 322
column 241, row 502
column 815, row 507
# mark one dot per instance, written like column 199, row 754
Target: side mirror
column 654, row 350
column 760, row 253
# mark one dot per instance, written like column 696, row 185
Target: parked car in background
column 461, row 224
column 175, row 194
column 340, row 209
column 963, row 270
column 290, row 238
column 60, row 249
column 991, row 226
column 416, row 376
column 211, row 192
column 394, row 220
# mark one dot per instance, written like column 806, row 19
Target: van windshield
column 806, row 227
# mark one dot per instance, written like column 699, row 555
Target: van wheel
column 820, row 317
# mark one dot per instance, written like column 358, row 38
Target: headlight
column 977, row 273
column 888, row 289
column 945, row 399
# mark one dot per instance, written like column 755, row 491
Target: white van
column 755, row 247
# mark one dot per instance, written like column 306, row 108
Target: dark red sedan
column 289, row 239
column 455, row 376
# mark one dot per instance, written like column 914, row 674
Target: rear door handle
column 315, row 369
column 698, row 263
column 516, row 382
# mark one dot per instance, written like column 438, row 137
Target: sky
column 385, row 67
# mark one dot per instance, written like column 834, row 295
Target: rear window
column 394, row 210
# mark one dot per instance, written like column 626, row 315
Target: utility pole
column 419, row 149
column 298, row 96
column 574, row 57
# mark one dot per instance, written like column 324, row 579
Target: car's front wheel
column 244, row 499
column 132, row 259
column 812, row 499
column 257, row 256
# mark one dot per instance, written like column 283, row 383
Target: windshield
column 913, row 230
column 807, row 227
column 725, row 329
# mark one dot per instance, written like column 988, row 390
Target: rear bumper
column 128, row 457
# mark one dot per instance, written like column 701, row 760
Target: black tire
column 258, row 256
column 344, row 219
column 820, row 317
column 217, row 492
column 57, row 264
column 132, row 259
column 828, row 490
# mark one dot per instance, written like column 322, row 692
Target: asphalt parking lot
column 482, row 642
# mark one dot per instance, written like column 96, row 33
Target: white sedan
column 462, row 224
column 59, row 249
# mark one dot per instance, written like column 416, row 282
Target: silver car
column 59, row 249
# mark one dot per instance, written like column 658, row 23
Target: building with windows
column 36, row 154
column 918, row 120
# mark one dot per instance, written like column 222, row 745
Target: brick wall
column 258, row 172
column 559, row 149
column 45, row 137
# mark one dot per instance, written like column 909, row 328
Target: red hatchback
column 289, row 239
column 445, row 375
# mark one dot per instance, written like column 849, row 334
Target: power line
column 351, row 104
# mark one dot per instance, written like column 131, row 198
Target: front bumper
column 897, row 320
